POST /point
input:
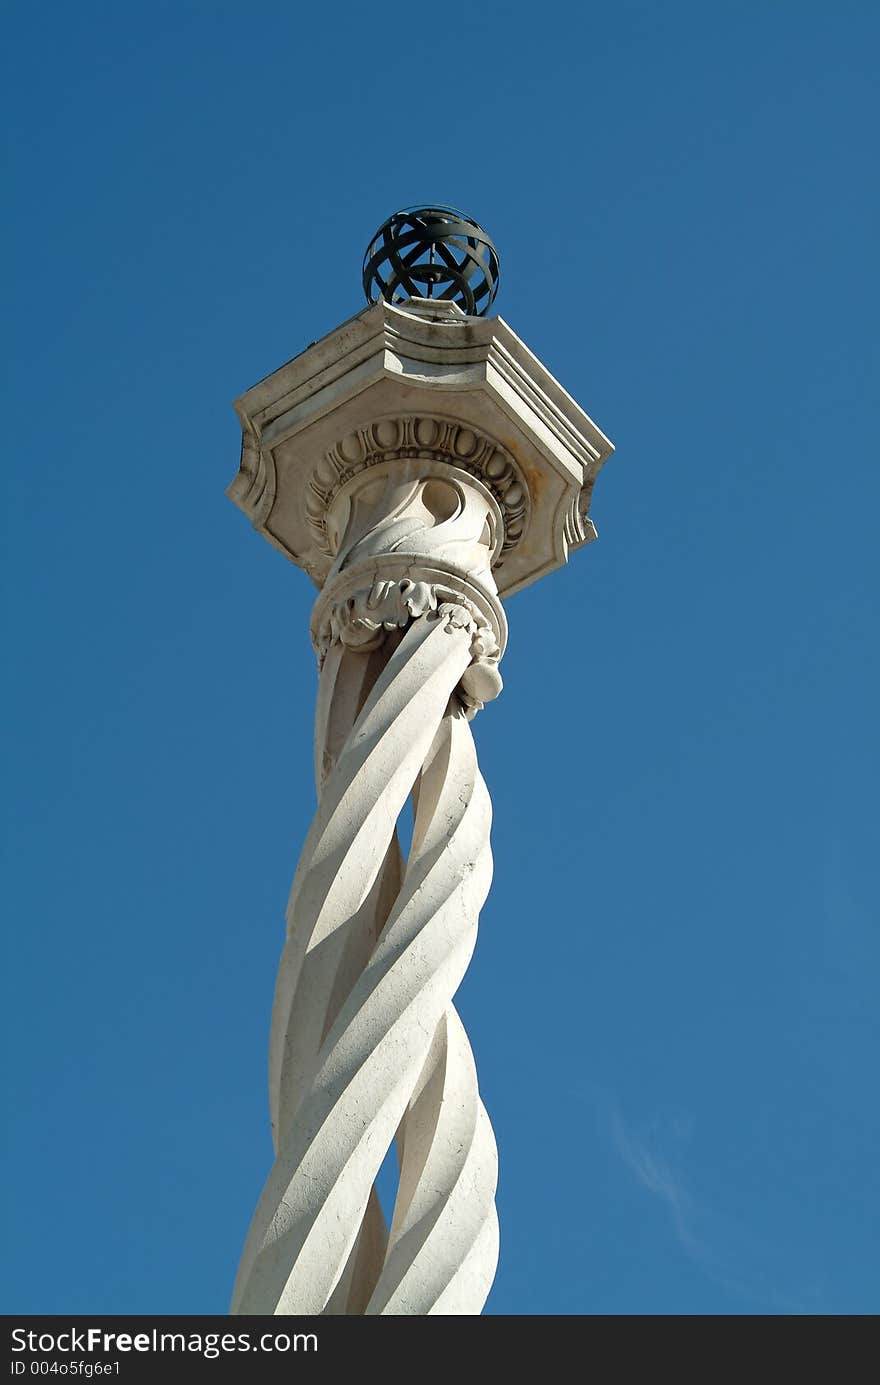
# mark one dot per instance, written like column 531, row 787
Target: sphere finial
column 432, row 252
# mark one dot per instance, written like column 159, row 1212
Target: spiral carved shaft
column 366, row 1044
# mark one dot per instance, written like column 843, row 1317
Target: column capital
column 421, row 381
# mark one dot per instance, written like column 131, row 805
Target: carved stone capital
column 420, row 380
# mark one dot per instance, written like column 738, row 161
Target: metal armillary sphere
column 432, row 252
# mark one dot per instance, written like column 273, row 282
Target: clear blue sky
column 673, row 1002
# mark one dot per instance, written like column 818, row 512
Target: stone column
column 419, row 464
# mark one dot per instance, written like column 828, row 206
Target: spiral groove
column 366, row 1044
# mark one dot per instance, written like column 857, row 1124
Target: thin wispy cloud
column 653, row 1173
column 732, row 1256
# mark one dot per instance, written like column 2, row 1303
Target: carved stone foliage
column 433, row 438
column 363, row 619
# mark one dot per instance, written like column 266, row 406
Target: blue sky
column 673, row 1003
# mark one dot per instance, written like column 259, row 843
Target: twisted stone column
column 417, row 462
column 366, row 1044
